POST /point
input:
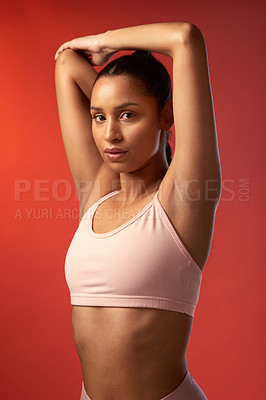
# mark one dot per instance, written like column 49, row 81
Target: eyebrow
column 117, row 107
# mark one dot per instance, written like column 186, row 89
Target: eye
column 101, row 116
column 128, row 113
column 96, row 116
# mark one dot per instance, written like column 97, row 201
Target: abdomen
column 126, row 350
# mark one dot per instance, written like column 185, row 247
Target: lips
column 114, row 150
column 116, row 156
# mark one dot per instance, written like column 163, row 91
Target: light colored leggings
column 187, row 390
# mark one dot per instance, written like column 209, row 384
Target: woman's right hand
column 90, row 47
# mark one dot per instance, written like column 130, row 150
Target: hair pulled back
column 149, row 74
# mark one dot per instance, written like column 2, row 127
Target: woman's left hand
column 91, row 47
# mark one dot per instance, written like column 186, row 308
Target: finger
column 63, row 47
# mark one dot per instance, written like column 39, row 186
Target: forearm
column 158, row 37
column 77, row 68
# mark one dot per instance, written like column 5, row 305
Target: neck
column 142, row 182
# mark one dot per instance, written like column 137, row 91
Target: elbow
column 189, row 33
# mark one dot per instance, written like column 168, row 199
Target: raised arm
column 74, row 77
column 195, row 166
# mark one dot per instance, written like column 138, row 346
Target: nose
column 112, row 132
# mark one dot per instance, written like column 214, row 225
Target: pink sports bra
column 142, row 263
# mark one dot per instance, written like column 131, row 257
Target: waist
column 146, row 344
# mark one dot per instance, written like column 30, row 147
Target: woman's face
column 116, row 122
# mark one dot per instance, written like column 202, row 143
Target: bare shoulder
column 191, row 217
column 106, row 182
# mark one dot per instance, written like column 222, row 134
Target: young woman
column 134, row 266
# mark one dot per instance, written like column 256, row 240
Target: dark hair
column 149, row 74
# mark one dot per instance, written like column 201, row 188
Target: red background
column 226, row 351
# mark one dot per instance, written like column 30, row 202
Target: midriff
column 130, row 353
